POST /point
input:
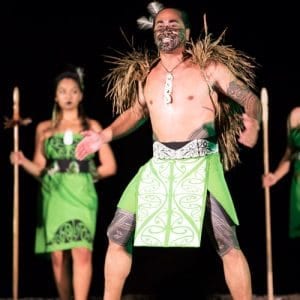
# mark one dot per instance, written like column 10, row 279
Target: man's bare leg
column 237, row 274
column 116, row 269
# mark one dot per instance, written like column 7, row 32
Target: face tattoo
column 168, row 39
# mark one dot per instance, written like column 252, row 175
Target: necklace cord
column 171, row 71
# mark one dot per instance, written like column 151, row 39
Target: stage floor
column 172, row 297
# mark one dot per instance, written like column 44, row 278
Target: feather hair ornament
column 154, row 8
column 147, row 23
column 80, row 74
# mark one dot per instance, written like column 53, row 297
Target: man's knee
column 228, row 250
column 121, row 228
column 226, row 240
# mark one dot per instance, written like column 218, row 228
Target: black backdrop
column 37, row 41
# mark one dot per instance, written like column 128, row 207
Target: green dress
column 68, row 202
column 294, row 220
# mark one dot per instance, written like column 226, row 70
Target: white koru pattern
column 171, row 203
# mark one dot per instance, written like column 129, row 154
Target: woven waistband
column 67, row 165
column 296, row 155
column 192, row 149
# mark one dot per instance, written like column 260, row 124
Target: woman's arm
column 35, row 166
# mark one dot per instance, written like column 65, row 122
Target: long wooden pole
column 16, row 119
column 264, row 100
column 14, row 123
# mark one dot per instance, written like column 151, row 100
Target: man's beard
column 168, row 41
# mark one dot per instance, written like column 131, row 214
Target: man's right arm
column 126, row 123
column 123, row 125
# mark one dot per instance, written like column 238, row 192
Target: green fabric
column 68, row 203
column 294, row 210
column 209, row 167
column 218, row 187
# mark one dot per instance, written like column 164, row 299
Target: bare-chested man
column 181, row 189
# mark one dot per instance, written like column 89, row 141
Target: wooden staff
column 16, row 119
column 14, row 123
column 264, row 100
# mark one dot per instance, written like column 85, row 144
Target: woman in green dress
column 68, row 199
column 290, row 158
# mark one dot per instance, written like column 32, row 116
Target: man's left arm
column 243, row 95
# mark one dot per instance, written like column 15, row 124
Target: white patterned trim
column 192, row 149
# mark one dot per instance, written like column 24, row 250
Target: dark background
column 38, row 40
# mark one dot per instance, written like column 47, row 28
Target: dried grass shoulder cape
column 127, row 69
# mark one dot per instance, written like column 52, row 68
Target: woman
column 68, row 202
column 291, row 157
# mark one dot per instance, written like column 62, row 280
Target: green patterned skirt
column 168, row 195
column 67, row 212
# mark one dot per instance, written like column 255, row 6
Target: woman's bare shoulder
column 294, row 117
column 44, row 129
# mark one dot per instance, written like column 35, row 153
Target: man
column 184, row 180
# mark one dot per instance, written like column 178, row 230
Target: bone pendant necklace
column 169, row 83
